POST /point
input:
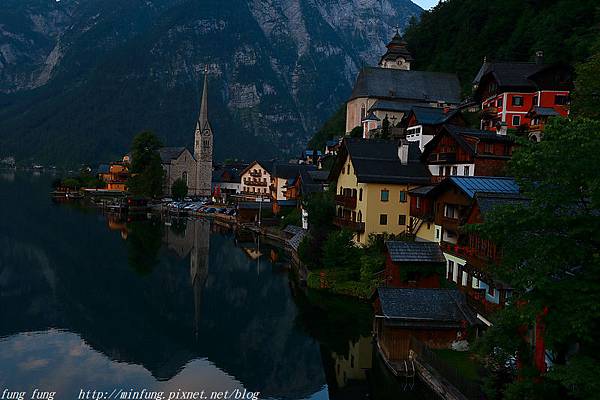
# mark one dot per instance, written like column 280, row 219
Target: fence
column 470, row 389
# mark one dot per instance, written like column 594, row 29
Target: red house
column 414, row 264
column 460, row 151
column 509, row 91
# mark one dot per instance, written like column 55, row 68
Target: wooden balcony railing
column 349, row 224
column 255, row 173
column 250, row 182
column 442, row 158
column 345, row 201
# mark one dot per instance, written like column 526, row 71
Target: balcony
column 349, row 224
column 250, row 182
column 442, row 158
column 255, row 173
column 490, row 111
column 536, row 128
column 345, row 201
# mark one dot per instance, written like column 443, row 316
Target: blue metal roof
column 485, row 184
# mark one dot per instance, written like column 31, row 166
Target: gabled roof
column 423, row 86
column 510, row 73
column 377, row 161
column 168, row 154
column 444, row 307
column 267, row 165
column 432, row 115
column 427, row 252
column 390, row 105
column 488, row 201
column 288, row 171
column 460, row 134
column 471, row 185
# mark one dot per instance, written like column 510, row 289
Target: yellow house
column 373, row 178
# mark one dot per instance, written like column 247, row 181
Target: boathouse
column 436, row 317
column 414, row 264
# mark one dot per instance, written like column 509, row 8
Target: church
column 195, row 169
column 392, row 89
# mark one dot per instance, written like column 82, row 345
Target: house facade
column 422, row 123
column 372, row 179
column 460, row 151
column 256, row 180
column 510, row 91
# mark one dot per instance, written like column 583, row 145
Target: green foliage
column 340, row 251
column 179, row 189
column 357, row 132
column 293, row 217
column 147, row 174
column 586, row 97
column 551, row 246
column 565, row 30
column 333, row 127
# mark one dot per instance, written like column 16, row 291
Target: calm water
column 89, row 302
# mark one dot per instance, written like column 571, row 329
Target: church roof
column 167, row 154
column 421, row 86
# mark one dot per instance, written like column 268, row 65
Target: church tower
column 203, row 146
column 397, row 55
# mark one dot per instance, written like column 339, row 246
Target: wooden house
column 413, row 264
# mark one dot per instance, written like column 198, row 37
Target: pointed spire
column 203, row 118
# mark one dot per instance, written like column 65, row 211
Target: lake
column 90, row 302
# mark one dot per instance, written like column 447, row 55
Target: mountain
column 78, row 78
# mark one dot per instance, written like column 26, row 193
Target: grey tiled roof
column 293, row 229
column 432, row 115
column 294, row 241
column 510, row 73
column 487, row 201
column 435, row 305
column 427, row 252
column 167, row 154
column 423, row 86
column 377, row 161
column 389, row 105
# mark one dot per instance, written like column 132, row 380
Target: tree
column 551, row 257
column 179, row 189
column 586, row 97
column 321, row 211
column 146, row 168
column 340, row 252
column 357, row 132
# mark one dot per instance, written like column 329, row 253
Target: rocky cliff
column 78, row 78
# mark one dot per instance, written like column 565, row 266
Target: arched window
column 359, row 216
column 363, row 112
column 360, row 194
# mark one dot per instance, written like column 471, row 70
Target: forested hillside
column 457, row 34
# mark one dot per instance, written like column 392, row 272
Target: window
column 560, row 99
column 402, row 196
column 385, row 195
column 418, row 202
column 450, row 211
column 535, row 100
column 454, row 170
column 447, row 171
column 500, row 102
column 516, row 120
column 383, row 219
column 491, row 291
column 450, row 270
column 360, row 194
column 441, row 171
column 348, row 169
column 488, row 148
column 401, row 219
column 466, row 170
column 517, row 100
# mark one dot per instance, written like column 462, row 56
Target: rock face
column 78, row 78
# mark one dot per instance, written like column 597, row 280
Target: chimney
column 539, row 57
column 403, row 151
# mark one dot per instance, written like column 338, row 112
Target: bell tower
column 397, row 55
column 203, row 145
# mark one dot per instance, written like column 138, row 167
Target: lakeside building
column 448, row 207
column 391, row 90
column 226, row 181
column 460, row 151
column 436, row 317
column 413, row 264
column 115, row 175
column 522, row 95
column 372, row 179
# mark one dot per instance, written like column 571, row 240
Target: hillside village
column 417, row 163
